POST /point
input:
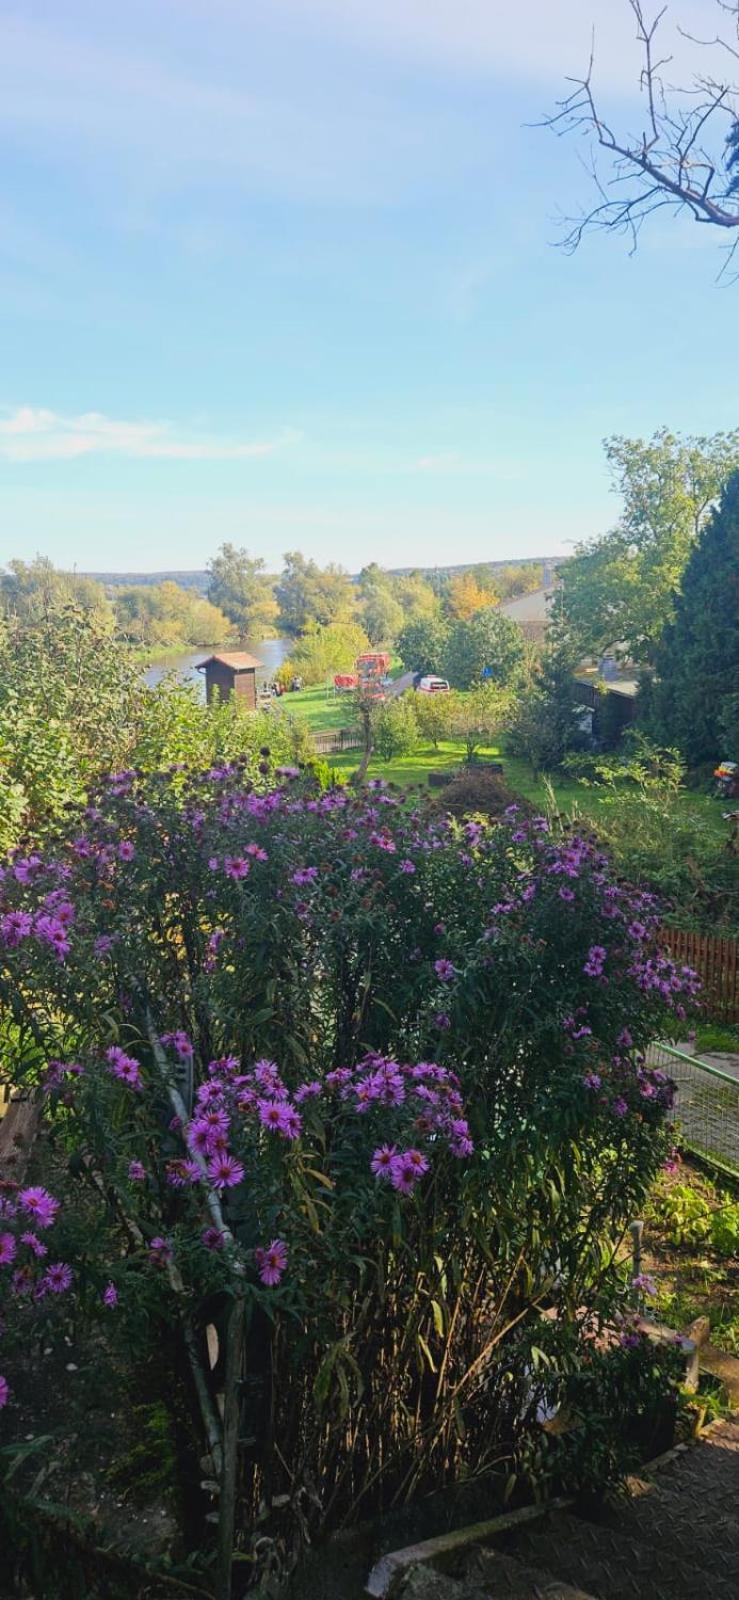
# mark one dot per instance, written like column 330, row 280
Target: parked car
column 431, row 685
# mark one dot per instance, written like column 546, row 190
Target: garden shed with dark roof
column 232, row 672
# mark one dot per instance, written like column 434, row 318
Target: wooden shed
column 234, row 672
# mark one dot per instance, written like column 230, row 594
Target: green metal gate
column 706, row 1110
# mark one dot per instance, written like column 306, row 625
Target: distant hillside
column 146, row 580
column 199, row 580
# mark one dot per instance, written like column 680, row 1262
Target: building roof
column 533, row 607
column 627, row 687
column 237, row 660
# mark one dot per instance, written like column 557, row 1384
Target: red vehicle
column 344, row 682
column 373, row 664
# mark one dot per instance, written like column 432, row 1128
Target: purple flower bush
column 406, row 1065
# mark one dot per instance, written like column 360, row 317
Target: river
column 271, row 652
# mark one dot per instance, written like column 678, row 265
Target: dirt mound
column 478, row 789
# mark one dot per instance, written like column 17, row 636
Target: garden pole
column 231, row 1425
column 636, row 1230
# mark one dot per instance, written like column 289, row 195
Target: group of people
column 275, row 689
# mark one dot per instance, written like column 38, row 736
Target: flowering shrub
column 387, row 1072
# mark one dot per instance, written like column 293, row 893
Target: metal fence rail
column 706, row 1109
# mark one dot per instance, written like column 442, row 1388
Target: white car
column 433, row 686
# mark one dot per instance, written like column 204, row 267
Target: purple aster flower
column 136, row 1171
column 213, row 1238
column 160, row 1251
column 405, row 1170
column 382, row 1161
column 445, row 970
column 644, row 1284
column 271, row 1262
column 34, row 1243
column 225, row 1171
column 124, row 1067
column 39, row 1204
column 236, row 867
column 57, row 1278
column 308, row 1091
column 4, row 1392
column 110, row 1296
column 8, row 1249
column 15, row 926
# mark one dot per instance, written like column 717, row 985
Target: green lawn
column 324, row 711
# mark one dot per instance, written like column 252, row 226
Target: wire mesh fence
column 706, row 1109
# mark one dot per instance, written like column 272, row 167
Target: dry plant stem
column 227, row 1502
column 209, row 1415
column 234, row 1341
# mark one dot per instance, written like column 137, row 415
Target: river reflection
column 271, row 652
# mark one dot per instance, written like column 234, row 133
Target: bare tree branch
column 687, row 155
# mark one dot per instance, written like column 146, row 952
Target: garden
column 346, row 1114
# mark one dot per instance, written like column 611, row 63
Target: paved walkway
column 676, row 1539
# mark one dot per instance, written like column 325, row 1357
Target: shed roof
column 237, row 660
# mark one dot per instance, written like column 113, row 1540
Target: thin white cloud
column 32, row 433
column 441, row 462
column 536, row 40
column 452, row 462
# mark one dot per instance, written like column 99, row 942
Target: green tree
column 167, row 614
column 489, row 643
column 239, row 586
column 31, row 590
column 698, row 659
column 620, row 589
column 307, row 593
column 323, row 651
column 380, row 609
column 395, row 728
column 416, row 595
column 481, row 716
column 548, row 721
column 68, row 695
column 434, row 715
column 422, row 643
column 518, row 577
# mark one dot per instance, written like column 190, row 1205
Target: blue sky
column 281, row 272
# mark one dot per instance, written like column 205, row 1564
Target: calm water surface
column 271, row 652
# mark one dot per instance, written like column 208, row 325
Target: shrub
column 434, row 715
column 323, row 651
column 411, row 1056
column 395, row 728
column 685, row 1215
column 478, row 718
column 725, row 1230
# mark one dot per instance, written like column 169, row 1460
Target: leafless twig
column 679, row 159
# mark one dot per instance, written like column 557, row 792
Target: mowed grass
column 324, row 712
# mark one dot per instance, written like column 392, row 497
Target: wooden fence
column 336, row 740
column 717, row 963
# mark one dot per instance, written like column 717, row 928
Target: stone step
column 489, row 1575
column 614, row 1565
column 503, row 1577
